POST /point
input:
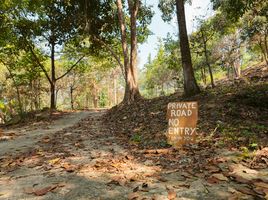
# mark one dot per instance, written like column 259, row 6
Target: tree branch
column 117, row 58
column 71, row 68
column 16, row 86
column 40, row 64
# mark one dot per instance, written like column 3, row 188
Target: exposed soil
column 85, row 160
column 123, row 154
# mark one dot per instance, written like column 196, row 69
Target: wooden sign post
column 182, row 120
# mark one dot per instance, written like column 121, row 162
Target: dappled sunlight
column 88, row 161
column 133, row 99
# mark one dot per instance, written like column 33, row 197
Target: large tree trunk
column 130, row 65
column 190, row 85
column 53, row 79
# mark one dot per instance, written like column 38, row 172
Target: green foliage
column 103, row 99
column 8, row 109
column 136, row 138
column 161, row 74
column 245, row 152
column 234, row 8
column 168, row 9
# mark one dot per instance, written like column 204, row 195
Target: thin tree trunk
column 53, row 79
column 228, row 72
column 95, row 96
column 115, row 90
column 190, row 84
column 237, row 68
column 72, row 100
column 264, row 53
column 203, row 74
column 32, row 96
column 207, row 60
column 17, row 91
column 210, row 74
column 36, row 95
column 266, row 47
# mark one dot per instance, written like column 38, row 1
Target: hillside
column 122, row 153
column 232, row 110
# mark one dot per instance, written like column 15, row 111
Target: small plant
column 136, row 138
column 220, row 143
column 164, row 144
column 253, row 146
column 245, row 152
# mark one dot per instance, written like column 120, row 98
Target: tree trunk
column 115, row 90
column 203, row 74
column 32, row 96
column 207, row 60
column 72, row 99
column 237, row 69
column 95, row 96
column 190, row 84
column 266, row 46
column 228, row 72
column 17, row 91
column 53, row 79
column 264, row 50
column 87, row 101
column 130, row 65
column 36, row 94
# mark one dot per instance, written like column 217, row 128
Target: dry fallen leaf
column 28, row 190
column 45, row 190
column 180, row 185
column 220, row 177
column 171, row 194
column 259, row 191
column 118, row 180
column 245, row 190
column 162, row 179
column 212, row 168
column 261, row 184
column 186, row 175
column 6, row 163
column 45, row 139
column 42, row 191
column 213, row 180
column 133, row 196
column 69, row 167
column 54, row 161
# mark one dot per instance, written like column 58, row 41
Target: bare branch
column 71, row 68
column 114, row 54
column 40, row 64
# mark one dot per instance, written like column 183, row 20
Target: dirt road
column 76, row 158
